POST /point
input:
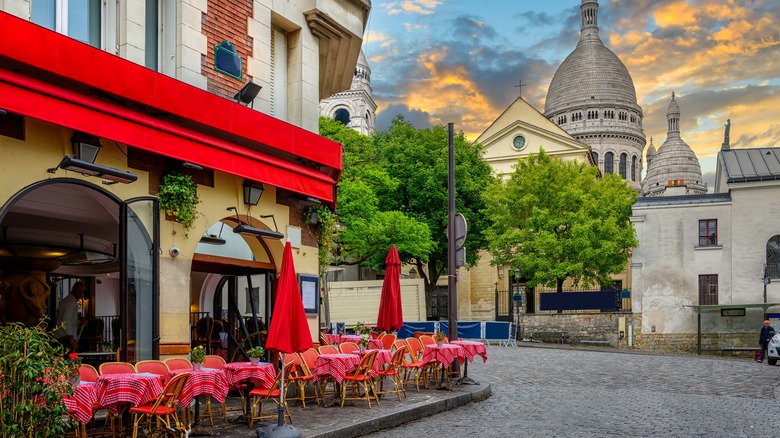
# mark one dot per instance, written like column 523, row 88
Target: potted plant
column 364, row 340
column 179, row 197
column 255, row 353
column 197, row 357
column 106, row 346
column 440, row 338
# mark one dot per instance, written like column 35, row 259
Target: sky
column 459, row 61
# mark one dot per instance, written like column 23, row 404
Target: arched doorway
column 82, row 232
column 233, row 279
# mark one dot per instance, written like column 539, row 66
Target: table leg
column 196, row 429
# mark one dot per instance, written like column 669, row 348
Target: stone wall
column 577, row 328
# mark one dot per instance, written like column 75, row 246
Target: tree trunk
column 560, row 284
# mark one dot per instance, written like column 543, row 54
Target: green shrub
column 33, row 380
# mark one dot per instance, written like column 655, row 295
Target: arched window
column 623, row 163
column 342, row 115
column 609, row 162
column 773, row 257
column 595, row 158
column 633, row 168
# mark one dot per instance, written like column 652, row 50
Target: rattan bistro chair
column 164, row 408
column 259, row 394
column 394, row 371
column 363, row 377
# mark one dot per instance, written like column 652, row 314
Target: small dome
column 650, row 151
column 673, row 109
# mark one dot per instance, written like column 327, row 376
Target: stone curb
column 413, row 412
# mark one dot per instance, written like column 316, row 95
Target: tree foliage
column 417, row 159
column 557, row 219
column 368, row 230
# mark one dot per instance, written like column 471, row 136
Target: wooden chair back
column 87, row 373
column 348, row 347
column 426, row 340
column 178, row 363
column 398, row 343
column 328, row 349
column 309, row 358
column 171, row 393
column 415, row 348
column 214, row 361
column 366, row 366
column 153, row 366
column 117, row 368
column 324, row 339
column 387, row 341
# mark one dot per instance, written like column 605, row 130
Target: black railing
column 100, row 333
column 438, row 304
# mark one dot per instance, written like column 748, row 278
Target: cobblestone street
column 568, row 392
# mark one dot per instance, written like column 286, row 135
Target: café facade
column 91, row 123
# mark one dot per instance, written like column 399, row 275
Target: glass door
column 139, row 279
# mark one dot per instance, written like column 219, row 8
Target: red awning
column 51, row 77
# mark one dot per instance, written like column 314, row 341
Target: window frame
column 705, row 239
column 772, row 266
column 623, row 165
column 706, row 283
column 633, row 168
column 107, row 29
column 609, row 162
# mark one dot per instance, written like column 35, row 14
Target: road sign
column 461, row 229
column 517, row 297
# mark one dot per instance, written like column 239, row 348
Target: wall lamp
column 248, row 93
column 91, row 169
column 252, row 192
column 85, row 146
column 249, row 230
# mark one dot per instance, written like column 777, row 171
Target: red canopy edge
column 83, row 113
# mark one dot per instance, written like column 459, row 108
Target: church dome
column 590, row 72
column 675, row 169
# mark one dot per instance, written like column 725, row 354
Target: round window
column 518, row 142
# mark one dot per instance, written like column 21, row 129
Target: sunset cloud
column 459, row 65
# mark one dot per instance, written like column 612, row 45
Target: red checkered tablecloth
column 473, row 349
column 333, row 338
column 134, row 389
column 262, row 375
column 336, row 365
column 208, row 381
column 445, row 354
column 80, row 403
column 372, row 343
column 383, row 357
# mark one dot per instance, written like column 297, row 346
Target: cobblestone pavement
column 574, row 392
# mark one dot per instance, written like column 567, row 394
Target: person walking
column 67, row 332
column 767, row 332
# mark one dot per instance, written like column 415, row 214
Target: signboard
column 733, row 312
column 310, row 292
column 517, row 297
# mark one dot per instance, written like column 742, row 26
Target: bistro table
column 333, row 338
column 127, row 388
column 472, row 349
column 372, row 343
column 80, row 404
column 261, row 375
column 207, row 381
column 335, row 366
column 383, row 357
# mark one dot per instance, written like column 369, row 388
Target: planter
column 439, row 343
column 197, row 366
column 255, row 361
column 362, row 349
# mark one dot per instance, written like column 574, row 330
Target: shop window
column 708, row 289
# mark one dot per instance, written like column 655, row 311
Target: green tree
column 557, row 219
column 417, row 159
column 367, row 230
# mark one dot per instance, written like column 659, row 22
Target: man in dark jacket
column 767, row 331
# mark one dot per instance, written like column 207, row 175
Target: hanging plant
column 324, row 221
column 179, row 197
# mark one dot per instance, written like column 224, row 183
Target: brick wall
column 226, row 20
column 297, row 217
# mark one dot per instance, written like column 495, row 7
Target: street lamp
column 517, row 296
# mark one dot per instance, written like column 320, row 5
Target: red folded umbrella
column 289, row 329
column 390, row 314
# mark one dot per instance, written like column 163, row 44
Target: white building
column 355, row 108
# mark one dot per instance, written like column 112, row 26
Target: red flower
column 73, row 356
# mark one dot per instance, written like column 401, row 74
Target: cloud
column 418, row 7
column 418, row 118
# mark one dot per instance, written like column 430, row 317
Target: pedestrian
column 67, row 332
column 767, row 332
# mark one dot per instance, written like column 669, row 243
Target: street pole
column 452, row 285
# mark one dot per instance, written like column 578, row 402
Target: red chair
column 164, row 408
column 178, row 363
column 416, row 365
column 87, row 373
column 348, row 347
column 272, row 392
column 302, row 375
column 394, row 371
column 328, row 349
column 387, row 341
column 398, row 343
column 426, row 340
column 117, row 368
column 364, row 378
column 154, row 367
column 324, row 339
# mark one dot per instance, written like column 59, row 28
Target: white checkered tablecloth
column 473, row 349
column 80, row 403
column 373, row 344
column 208, row 381
column 383, row 357
column 336, row 365
column 261, row 375
column 444, row 355
column 134, row 389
